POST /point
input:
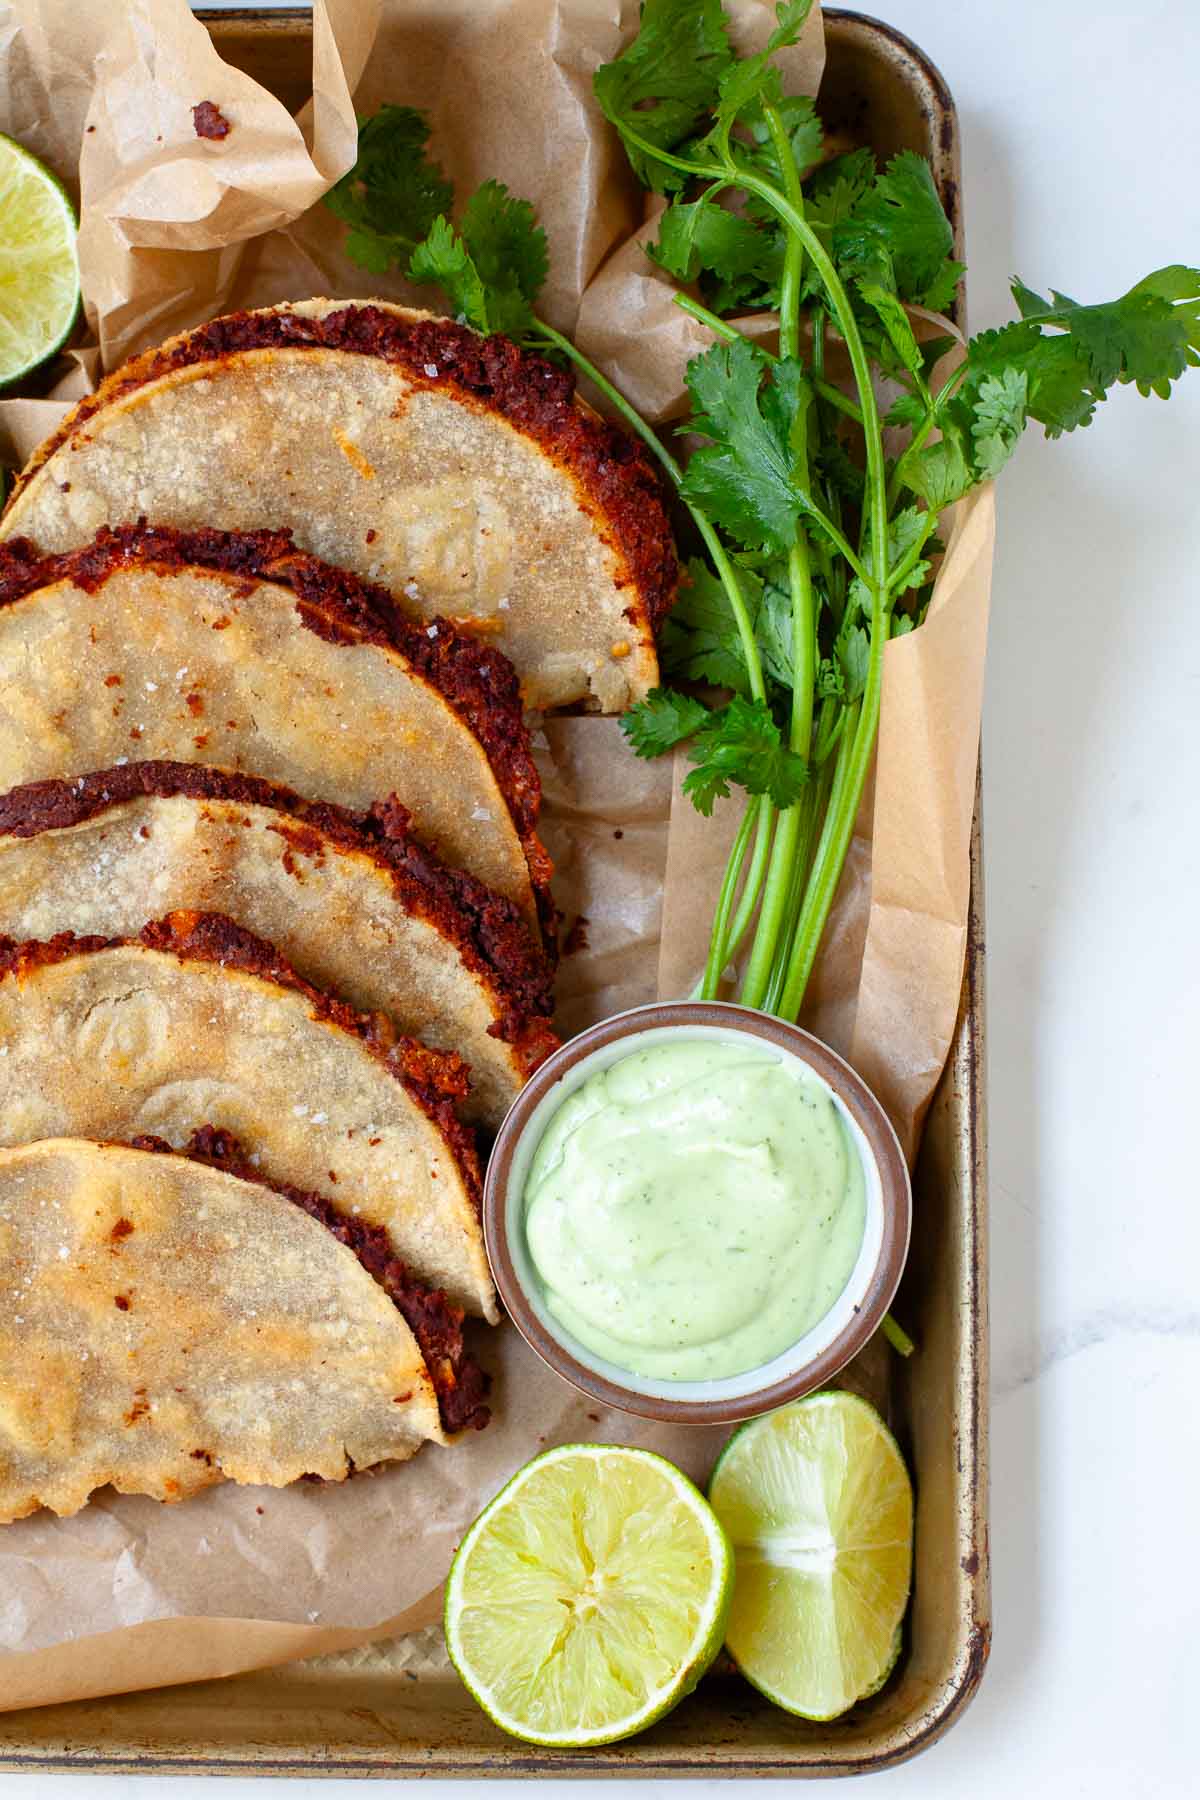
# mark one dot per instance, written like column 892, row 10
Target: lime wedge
column 589, row 1596
column 819, row 1507
column 39, row 270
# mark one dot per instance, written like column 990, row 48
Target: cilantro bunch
column 815, row 542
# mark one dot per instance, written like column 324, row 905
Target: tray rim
column 948, row 1701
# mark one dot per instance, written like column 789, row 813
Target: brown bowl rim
column 864, row 1108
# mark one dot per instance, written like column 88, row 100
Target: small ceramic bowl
column 805, row 1365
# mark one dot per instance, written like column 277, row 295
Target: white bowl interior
column 732, row 1387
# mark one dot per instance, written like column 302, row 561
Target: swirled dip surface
column 695, row 1208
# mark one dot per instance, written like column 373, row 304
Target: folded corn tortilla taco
column 457, row 470
column 196, row 1021
column 169, row 1324
column 353, row 901
column 242, row 653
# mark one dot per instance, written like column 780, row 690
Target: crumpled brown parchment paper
column 176, row 228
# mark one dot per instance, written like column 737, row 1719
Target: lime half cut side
column 589, row 1596
column 39, row 268
column 819, row 1507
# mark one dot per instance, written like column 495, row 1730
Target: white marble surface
column 1081, row 124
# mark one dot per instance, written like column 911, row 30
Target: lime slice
column 589, row 1596
column 39, row 270
column 818, row 1504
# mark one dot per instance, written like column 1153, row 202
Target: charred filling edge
column 476, row 680
column 459, row 1383
column 488, row 931
column 432, row 1079
column 533, row 395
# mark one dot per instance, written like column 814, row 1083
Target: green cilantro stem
column 793, row 256
column 835, row 397
column 841, row 541
column 719, row 327
column 777, row 891
column 712, row 542
column 850, row 774
column 743, row 918
column 896, row 1336
column 717, row 953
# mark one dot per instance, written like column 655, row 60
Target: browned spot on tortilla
column 140, row 1407
column 353, row 455
column 121, row 1302
column 121, row 1229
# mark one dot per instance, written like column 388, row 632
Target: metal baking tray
column 358, row 1717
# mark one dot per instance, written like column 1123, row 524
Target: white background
column 1081, row 128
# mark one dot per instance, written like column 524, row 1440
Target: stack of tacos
column 276, row 932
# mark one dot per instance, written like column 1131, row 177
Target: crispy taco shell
column 354, row 903
column 168, row 1325
column 459, row 1383
column 458, row 470
column 196, row 1021
column 241, row 653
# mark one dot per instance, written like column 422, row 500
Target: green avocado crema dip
column 695, row 1208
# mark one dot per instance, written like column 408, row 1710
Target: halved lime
column 39, row 268
column 819, row 1506
column 589, row 1596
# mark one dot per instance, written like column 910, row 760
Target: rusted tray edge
column 94, row 1736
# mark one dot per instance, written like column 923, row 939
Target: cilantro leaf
column 745, row 478
column 897, row 233
column 700, row 640
column 752, row 81
column 906, row 409
column 941, row 473
column 853, row 652
column 998, row 419
column 804, row 132
column 444, row 260
column 1149, row 336
column 1061, row 394
column 941, row 295
column 492, row 268
column 393, row 194
column 700, row 235
column 773, row 631
column 835, row 188
column 743, row 745
column 666, row 82
column 895, row 323
column 662, row 720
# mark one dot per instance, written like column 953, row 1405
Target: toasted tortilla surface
column 436, row 1323
column 353, row 902
column 166, row 1326
column 458, row 470
column 197, row 1022
column 239, row 652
